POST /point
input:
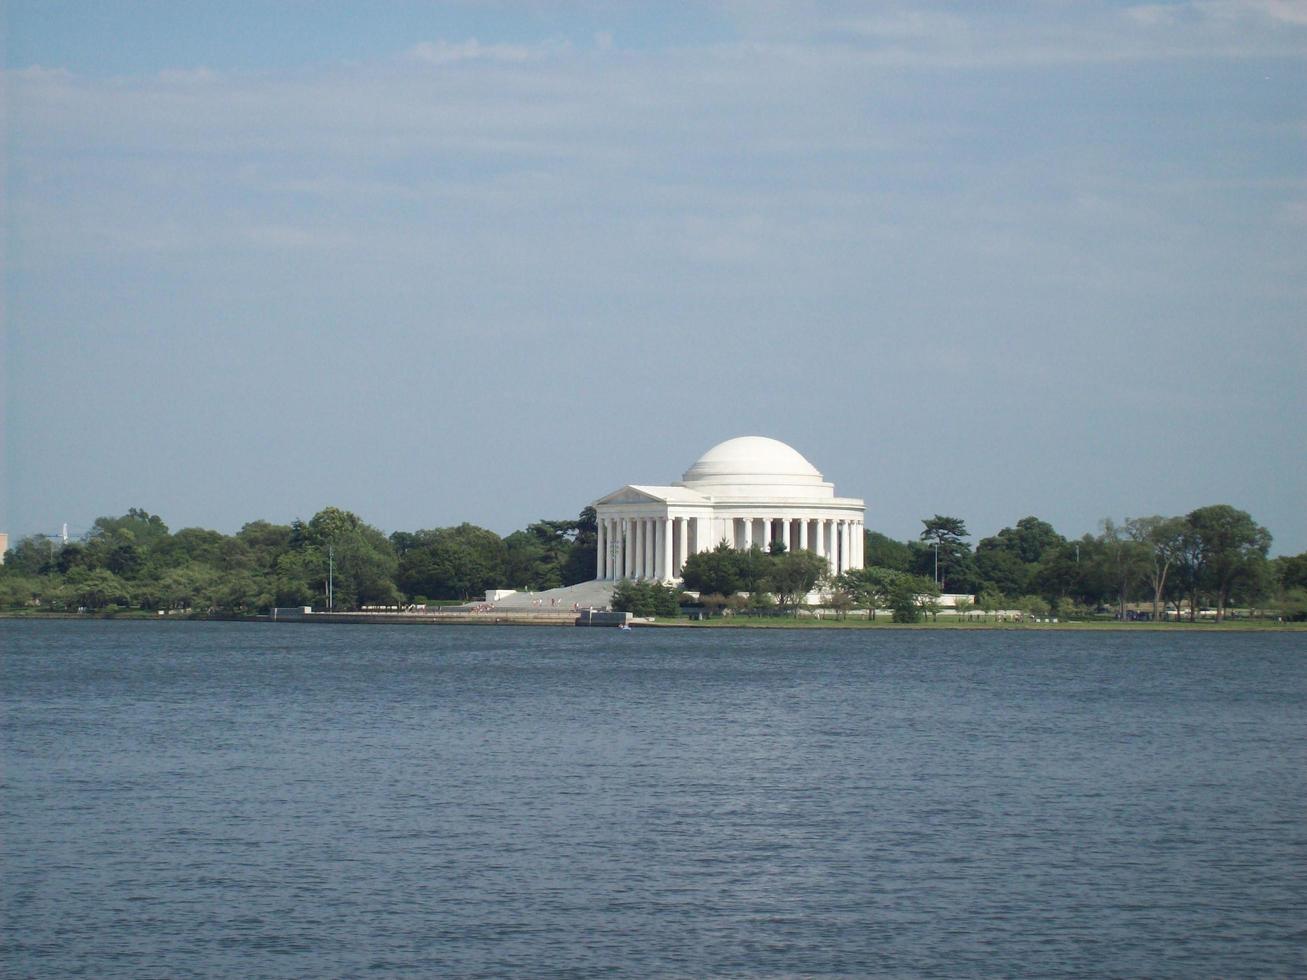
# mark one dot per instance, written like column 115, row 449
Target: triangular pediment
column 630, row 495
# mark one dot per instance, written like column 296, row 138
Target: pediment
column 630, row 495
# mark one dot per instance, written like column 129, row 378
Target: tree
column 98, row 588
column 1003, row 569
column 880, row 551
column 579, row 566
column 990, row 601
column 460, row 562
column 840, row 601
column 794, row 574
column 1034, row 605
column 713, row 571
column 908, row 594
column 1162, row 540
column 1125, row 558
column 944, row 535
column 1008, row 560
column 1291, row 571
column 870, row 587
column 33, row 555
column 358, row 559
column 1231, row 547
column 644, row 598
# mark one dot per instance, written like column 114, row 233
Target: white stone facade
column 745, row 491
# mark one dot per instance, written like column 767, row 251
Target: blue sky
column 488, row 261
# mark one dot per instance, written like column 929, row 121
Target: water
column 206, row 799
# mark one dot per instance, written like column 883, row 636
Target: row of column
column 658, row 547
column 646, row 547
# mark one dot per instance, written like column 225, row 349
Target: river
column 223, row 799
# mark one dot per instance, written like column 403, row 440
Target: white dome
column 750, row 466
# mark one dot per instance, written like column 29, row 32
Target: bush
column 646, row 599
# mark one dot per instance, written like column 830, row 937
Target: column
column 600, row 542
column 614, row 549
column 628, row 541
column 665, row 556
column 819, row 537
column 846, row 542
column 639, row 548
column 748, row 533
column 650, row 549
column 683, row 539
column 803, row 534
column 619, row 559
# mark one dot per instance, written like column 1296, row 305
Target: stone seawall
column 500, row 617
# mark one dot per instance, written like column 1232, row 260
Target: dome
column 751, row 466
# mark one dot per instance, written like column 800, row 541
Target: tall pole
column 937, row 563
column 331, row 576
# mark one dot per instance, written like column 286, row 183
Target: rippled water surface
column 186, row 799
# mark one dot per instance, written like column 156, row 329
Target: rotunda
column 746, row 491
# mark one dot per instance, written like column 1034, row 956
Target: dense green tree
column 454, row 563
column 1028, row 541
column 644, row 598
column 715, row 571
column 909, row 594
column 583, row 555
column 33, row 555
column 946, row 558
column 1291, row 571
column 1125, row 560
column 98, row 588
column 1232, row 549
column 755, row 568
column 1162, row 542
column 18, row 590
column 1003, row 569
column 871, row 588
column 795, row 574
column 880, row 551
column 1292, row 604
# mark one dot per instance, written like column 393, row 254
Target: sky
column 488, row 261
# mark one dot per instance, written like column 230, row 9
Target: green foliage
column 644, row 598
column 454, row 562
column 880, row 551
column 1292, row 605
column 1213, row 556
column 1290, row 571
column 943, row 546
column 717, row 571
column 1228, row 550
column 795, row 574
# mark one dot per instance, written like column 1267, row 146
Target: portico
column 747, row 491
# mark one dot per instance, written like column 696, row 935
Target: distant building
column 745, row 491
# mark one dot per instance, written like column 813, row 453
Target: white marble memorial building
column 745, row 491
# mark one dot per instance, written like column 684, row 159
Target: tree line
column 1212, row 558
column 134, row 561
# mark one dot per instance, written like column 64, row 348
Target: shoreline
column 734, row 623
